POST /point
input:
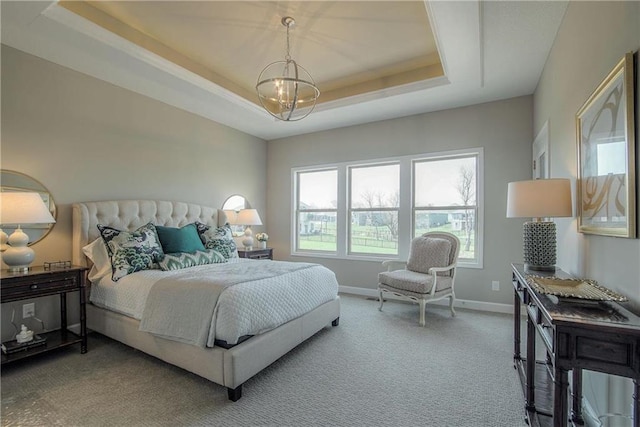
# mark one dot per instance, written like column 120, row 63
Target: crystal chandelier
column 286, row 90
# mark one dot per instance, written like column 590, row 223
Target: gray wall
column 503, row 128
column 593, row 37
column 85, row 139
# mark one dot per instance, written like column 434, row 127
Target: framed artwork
column 606, row 191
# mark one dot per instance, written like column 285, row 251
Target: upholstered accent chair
column 428, row 275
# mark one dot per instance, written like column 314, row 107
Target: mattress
column 244, row 309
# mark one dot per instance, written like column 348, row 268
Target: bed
column 231, row 359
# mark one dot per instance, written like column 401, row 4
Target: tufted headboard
column 131, row 214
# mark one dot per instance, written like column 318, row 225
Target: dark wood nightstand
column 38, row 282
column 256, row 253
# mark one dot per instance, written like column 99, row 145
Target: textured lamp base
column 540, row 245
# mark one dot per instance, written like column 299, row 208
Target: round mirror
column 231, row 207
column 15, row 181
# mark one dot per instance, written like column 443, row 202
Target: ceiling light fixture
column 286, row 90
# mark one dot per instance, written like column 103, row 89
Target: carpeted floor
column 375, row 369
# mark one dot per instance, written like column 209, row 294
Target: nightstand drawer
column 256, row 253
column 23, row 287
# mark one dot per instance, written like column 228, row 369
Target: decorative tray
column 584, row 289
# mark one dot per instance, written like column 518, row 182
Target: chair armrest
column 434, row 270
column 393, row 264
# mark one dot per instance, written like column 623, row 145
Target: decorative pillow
column 428, row 252
column 185, row 239
column 131, row 251
column 218, row 238
column 97, row 253
column 184, row 260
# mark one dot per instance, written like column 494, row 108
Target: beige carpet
column 375, row 369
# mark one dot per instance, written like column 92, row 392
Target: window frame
column 405, row 211
column 478, row 241
column 296, row 212
column 350, row 209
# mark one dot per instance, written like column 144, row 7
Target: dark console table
column 597, row 336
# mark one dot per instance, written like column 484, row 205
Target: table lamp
column 248, row 217
column 232, row 216
column 17, row 208
column 541, row 198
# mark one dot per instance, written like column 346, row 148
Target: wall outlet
column 495, row 285
column 28, row 310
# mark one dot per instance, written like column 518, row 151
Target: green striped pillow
column 176, row 261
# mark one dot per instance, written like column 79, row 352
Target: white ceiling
column 489, row 50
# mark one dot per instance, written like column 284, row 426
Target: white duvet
column 247, row 308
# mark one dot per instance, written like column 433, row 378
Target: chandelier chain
column 288, row 57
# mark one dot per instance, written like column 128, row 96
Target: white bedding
column 247, row 308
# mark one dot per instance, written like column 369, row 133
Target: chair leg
column 381, row 299
column 423, row 305
column 451, row 300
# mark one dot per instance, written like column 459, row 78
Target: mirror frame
column 236, row 230
column 35, row 186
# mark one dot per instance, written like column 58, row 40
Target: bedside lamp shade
column 248, row 217
column 18, row 208
column 231, row 216
column 541, row 198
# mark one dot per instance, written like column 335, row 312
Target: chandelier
column 286, row 90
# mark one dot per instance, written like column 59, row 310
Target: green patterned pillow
column 218, row 238
column 131, row 251
column 177, row 261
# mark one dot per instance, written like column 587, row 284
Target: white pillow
column 96, row 251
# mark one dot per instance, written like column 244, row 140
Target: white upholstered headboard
column 131, row 214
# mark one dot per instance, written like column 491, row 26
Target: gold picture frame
column 605, row 134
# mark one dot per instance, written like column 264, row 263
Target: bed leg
column 335, row 321
column 234, row 393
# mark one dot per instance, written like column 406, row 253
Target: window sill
column 377, row 259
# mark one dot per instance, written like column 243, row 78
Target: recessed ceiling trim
column 77, row 23
column 89, row 12
column 434, row 29
column 384, row 93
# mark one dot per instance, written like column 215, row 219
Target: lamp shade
column 23, row 208
column 231, row 216
column 248, row 217
column 18, row 208
column 539, row 198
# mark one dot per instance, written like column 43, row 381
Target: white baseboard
column 459, row 303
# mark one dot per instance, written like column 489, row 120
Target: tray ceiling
column 350, row 48
column 372, row 60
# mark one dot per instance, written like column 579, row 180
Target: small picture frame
column 605, row 132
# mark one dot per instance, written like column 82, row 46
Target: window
column 372, row 209
column 445, row 199
column 374, row 195
column 316, row 210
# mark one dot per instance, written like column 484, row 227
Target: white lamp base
column 247, row 242
column 18, row 256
